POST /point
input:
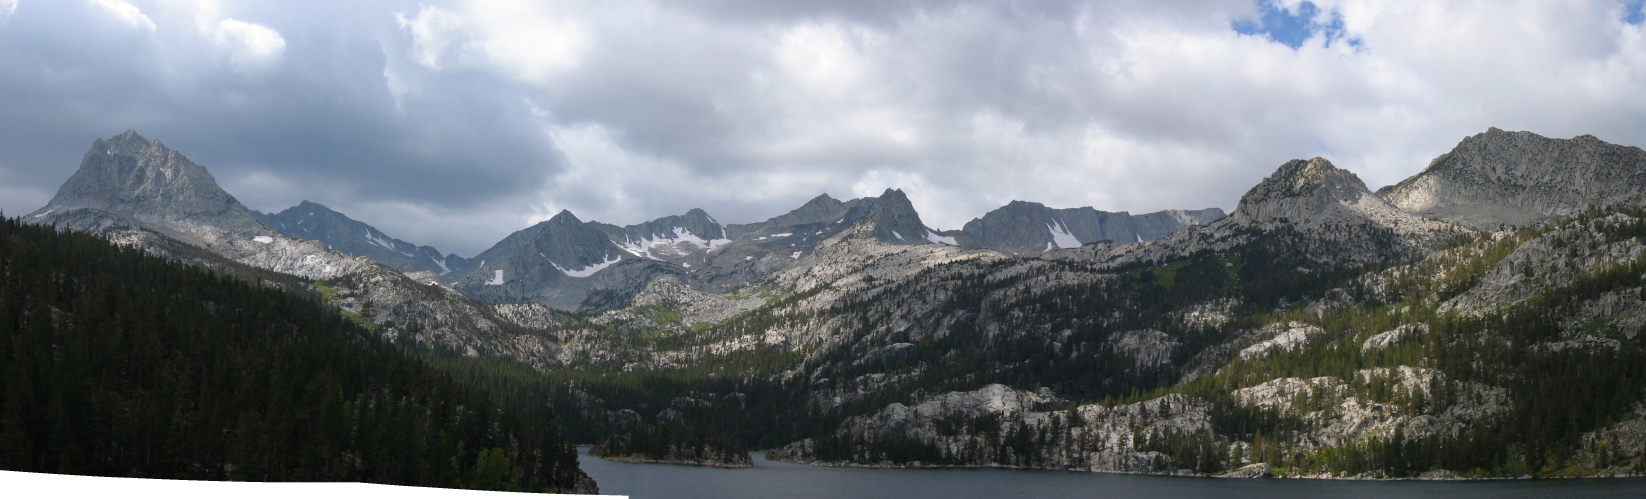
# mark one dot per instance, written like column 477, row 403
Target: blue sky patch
column 1292, row 28
column 1634, row 11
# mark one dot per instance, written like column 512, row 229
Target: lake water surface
column 772, row 479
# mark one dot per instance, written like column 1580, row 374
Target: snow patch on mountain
column 589, row 270
column 497, row 279
column 1061, row 235
column 645, row 246
column 937, row 239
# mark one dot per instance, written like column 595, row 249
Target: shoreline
column 1186, row 474
column 640, row 460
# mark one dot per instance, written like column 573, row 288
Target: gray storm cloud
column 455, row 123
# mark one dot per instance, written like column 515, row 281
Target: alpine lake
column 776, row 479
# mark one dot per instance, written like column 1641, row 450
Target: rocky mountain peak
column 564, row 218
column 128, row 175
column 1517, row 178
column 1301, row 189
column 315, row 221
column 823, row 199
column 821, row 209
column 1323, row 212
column 699, row 223
column 894, row 219
column 1029, row 227
column 698, row 214
column 673, row 238
column 1019, row 225
column 125, row 144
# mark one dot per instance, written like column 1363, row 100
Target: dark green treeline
column 119, row 364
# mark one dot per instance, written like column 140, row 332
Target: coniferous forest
column 115, row 363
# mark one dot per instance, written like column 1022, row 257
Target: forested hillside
column 116, row 363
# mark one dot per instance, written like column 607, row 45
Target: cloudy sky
column 455, row 123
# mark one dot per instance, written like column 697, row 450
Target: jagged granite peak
column 756, row 251
column 821, row 209
column 894, row 220
column 1518, row 178
column 569, row 244
column 130, row 176
column 310, row 220
column 668, row 238
column 1023, row 226
column 558, row 262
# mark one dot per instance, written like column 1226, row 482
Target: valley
column 1480, row 319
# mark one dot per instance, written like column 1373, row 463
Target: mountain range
column 317, row 222
column 1433, row 328
column 556, row 262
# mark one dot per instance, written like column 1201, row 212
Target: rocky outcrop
column 1622, row 311
column 1147, row 347
column 1282, row 338
column 1553, row 259
column 1619, row 449
column 669, row 304
column 1389, row 339
column 1503, row 178
column 969, row 428
column 1336, row 412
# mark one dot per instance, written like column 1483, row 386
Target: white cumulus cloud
column 461, row 120
column 123, row 11
column 525, row 40
column 248, row 45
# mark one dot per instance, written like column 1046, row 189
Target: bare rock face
column 145, row 183
column 560, row 262
column 1517, row 178
column 822, row 209
column 677, row 238
column 895, row 220
column 1396, row 336
column 1028, row 227
column 1147, row 347
column 1088, row 437
column 1283, row 337
column 1306, row 206
column 1315, row 193
column 315, row 221
column 1335, row 411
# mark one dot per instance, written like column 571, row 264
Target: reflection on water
column 768, row 479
